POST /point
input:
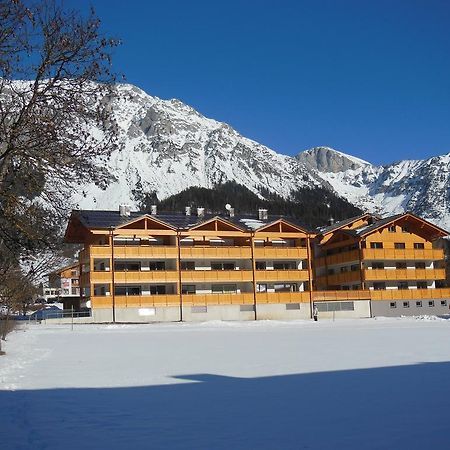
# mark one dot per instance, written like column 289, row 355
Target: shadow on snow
column 402, row 407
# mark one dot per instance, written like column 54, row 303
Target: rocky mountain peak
column 326, row 159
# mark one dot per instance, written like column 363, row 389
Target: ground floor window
column 405, row 304
column 419, row 304
column 431, row 303
column 443, row 302
column 393, row 305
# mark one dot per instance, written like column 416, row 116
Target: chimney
column 330, row 221
column 231, row 211
column 188, row 210
column 262, row 214
column 124, row 210
column 153, row 210
column 200, row 212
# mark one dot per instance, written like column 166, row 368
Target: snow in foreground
column 350, row 384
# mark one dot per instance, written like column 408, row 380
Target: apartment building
column 138, row 267
column 397, row 262
column 166, row 267
column 64, row 282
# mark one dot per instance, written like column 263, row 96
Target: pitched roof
column 342, row 223
column 367, row 229
column 99, row 219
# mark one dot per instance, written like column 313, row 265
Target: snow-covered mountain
column 167, row 146
column 414, row 185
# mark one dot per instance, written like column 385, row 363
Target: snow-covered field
column 349, row 384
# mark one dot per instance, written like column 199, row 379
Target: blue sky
column 370, row 78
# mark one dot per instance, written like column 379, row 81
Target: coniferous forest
column 314, row 207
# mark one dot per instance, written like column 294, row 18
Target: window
column 400, row 265
column 399, row 245
column 377, row 265
column 157, row 289
column 127, row 266
column 393, row 305
column 292, row 306
column 405, row 230
column 420, row 265
column 244, row 308
column 421, row 285
column 261, row 288
column 376, row 245
column 443, row 302
column 287, row 265
column 330, row 271
column 258, row 243
column 223, row 288
column 127, row 290
column 187, row 265
column 188, row 289
column 379, row 286
column 157, row 265
column 222, row 266
column 354, row 267
column 260, row 265
column 392, row 229
column 431, row 303
column 402, row 285
column 285, row 287
column 419, row 245
column 405, row 304
column 74, row 273
column 419, row 304
column 344, row 269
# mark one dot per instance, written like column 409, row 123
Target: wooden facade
column 146, row 262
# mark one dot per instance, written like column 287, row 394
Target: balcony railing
column 404, row 274
column 135, row 301
column 353, row 276
column 221, row 252
column 341, row 295
column 245, row 298
column 282, row 275
column 207, row 276
column 338, row 258
column 410, row 294
column 281, row 253
column 403, row 254
column 282, row 297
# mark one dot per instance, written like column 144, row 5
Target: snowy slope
column 411, row 185
column 168, row 146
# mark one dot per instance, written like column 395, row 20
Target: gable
column 145, row 223
column 216, row 224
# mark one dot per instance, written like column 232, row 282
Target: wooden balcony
column 245, row 298
column 150, row 276
column 282, row 297
column 403, row 254
column 210, row 276
column 130, row 252
column 281, row 253
column 404, row 274
column 281, row 275
column 341, row 295
column 135, row 301
column 335, row 279
column 338, row 258
column 410, row 294
column 198, row 252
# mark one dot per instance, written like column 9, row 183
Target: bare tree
column 55, row 87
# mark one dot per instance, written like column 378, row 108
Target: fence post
column 72, row 315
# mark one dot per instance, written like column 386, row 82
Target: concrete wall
column 361, row 310
column 383, row 308
column 279, row 312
